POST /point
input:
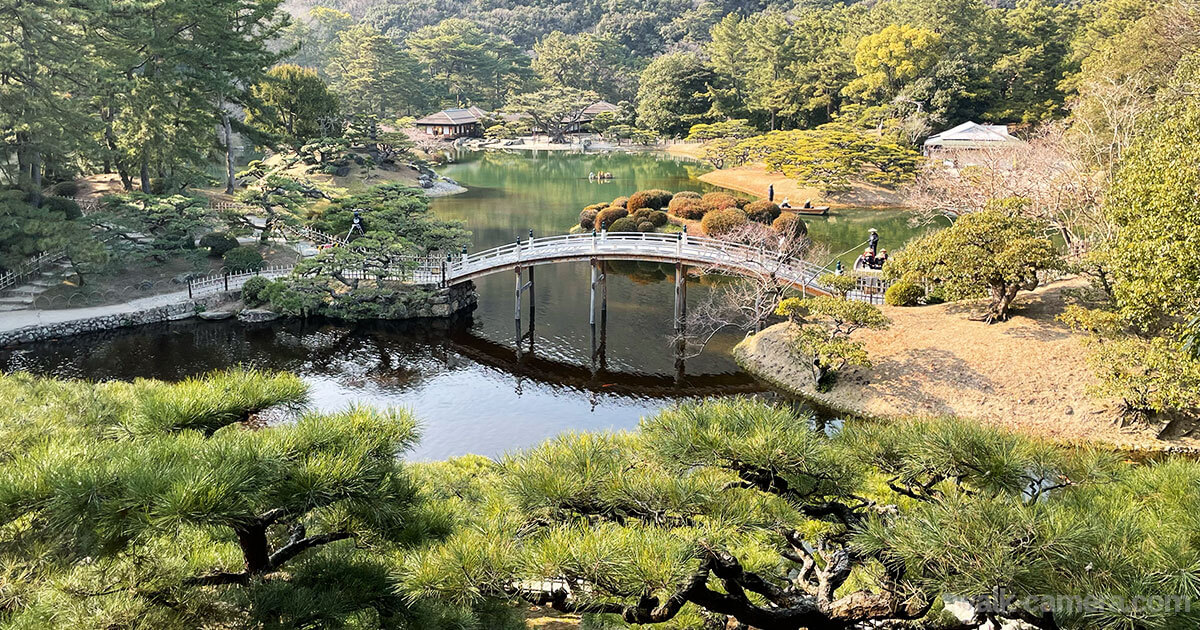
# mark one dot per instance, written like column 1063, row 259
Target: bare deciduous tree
column 746, row 300
column 1049, row 172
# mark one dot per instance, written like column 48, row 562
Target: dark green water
column 511, row 192
column 472, row 390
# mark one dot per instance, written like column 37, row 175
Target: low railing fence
column 26, row 269
column 226, row 281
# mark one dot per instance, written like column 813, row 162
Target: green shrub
column 719, row 200
column 658, row 218
column 67, row 207
column 839, row 284
column 255, row 290
column 624, row 224
column 68, row 188
column 789, row 224
column 243, row 258
column 645, row 226
column 587, row 219
column 619, row 202
column 903, row 293
column 936, row 295
column 218, row 243
column 606, row 217
column 762, row 211
column 722, row 221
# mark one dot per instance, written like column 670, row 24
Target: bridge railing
column 700, row 249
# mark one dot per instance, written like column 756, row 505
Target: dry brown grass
column 754, row 179
column 1028, row 374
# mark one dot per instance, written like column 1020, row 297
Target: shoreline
column 1028, row 374
column 754, row 179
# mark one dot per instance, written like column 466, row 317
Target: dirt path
column 1029, row 373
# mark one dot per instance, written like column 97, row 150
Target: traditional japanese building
column 968, row 136
column 453, row 123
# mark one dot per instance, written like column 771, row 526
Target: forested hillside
column 925, row 64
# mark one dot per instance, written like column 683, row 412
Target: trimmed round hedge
column 762, row 211
column 641, row 199
column 624, row 224
column 243, row 258
column 587, row 219
column 619, row 202
column 789, row 224
column 722, row 221
column 218, row 243
column 606, row 217
column 693, row 209
column 67, row 207
column 253, row 291
column 903, row 293
column 719, row 200
column 68, row 188
column 645, row 226
column 657, row 217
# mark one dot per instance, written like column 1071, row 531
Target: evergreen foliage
column 993, row 252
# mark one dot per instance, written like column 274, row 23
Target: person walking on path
column 771, row 193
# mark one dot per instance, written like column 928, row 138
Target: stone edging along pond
column 441, row 303
column 153, row 315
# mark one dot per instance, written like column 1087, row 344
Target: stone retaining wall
column 440, row 303
column 170, row 312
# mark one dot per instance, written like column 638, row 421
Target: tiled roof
column 970, row 132
column 456, row 116
column 599, row 107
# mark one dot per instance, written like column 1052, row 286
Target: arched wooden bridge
column 642, row 246
column 678, row 249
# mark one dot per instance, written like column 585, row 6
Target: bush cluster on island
column 718, row 214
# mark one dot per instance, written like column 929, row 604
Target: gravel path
column 13, row 320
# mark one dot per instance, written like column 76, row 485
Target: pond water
column 466, row 381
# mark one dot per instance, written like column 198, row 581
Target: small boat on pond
column 808, row 208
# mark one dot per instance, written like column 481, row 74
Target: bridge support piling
column 680, row 295
column 519, row 290
column 599, row 279
column 531, row 305
column 603, row 290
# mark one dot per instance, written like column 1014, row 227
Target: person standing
column 771, row 193
column 873, row 240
